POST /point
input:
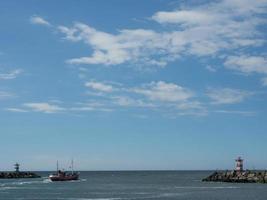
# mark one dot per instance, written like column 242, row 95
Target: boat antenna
column 57, row 165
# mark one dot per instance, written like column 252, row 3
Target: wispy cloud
column 99, row 86
column 43, row 107
column 211, row 68
column 168, row 99
column 91, row 108
column 212, row 13
column 162, row 91
column 39, row 20
column 112, row 49
column 16, row 110
column 264, row 81
column 185, row 17
column 126, row 101
column 190, row 105
column 10, row 75
column 205, row 30
column 6, row 95
column 59, row 107
column 227, row 95
column 247, row 64
column 158, row 96
column 237, row 112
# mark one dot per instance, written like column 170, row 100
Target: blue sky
column 133, row 84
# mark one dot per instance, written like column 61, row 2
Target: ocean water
column 184, row 185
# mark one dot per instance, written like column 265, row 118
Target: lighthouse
column 239, row 164
column 16, row 166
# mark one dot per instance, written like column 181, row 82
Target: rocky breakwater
column 234, row 176
column 9, row 175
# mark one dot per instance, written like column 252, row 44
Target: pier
column 18, row 174
column 238, row 175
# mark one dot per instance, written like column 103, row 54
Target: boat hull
column 64, row 178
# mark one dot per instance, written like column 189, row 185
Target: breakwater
column 10, row 175
column 234, row 176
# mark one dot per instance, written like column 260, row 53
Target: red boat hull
column 64, row 178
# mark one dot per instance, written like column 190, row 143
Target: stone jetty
column 9, row 175
column 239, row 175
column 18, row 174
column 234, row 176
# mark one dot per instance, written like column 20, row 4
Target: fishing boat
column 61, row 175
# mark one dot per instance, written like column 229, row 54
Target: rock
column 238, row 177
column 9, row 175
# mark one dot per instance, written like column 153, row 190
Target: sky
column 133, row 85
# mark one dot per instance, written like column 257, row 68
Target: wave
column 8, row 188
column 47, row 180
column 14, row 184
column 19, row 183
column 206, row 187
column 151, row 196
column 96, row 198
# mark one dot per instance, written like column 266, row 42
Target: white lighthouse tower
column 239, row 164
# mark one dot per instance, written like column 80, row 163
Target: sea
column 127, row 185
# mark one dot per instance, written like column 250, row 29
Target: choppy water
column 184, row 185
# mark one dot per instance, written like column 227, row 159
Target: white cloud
column 247, row 64
column 264, row 81
column 244, row 7
column 227, row 95
column 39, row 20
column 124, row 101
column 186, row 17
column 238, row 112
column 190, row 105
column 157, row 96
column 16, row 110
column 212, row 13
column 127, row 101
column 109, row 49
column 204, row 30
column 137, row 46
column 90, row 108
column 10, row 75
column 102, row 87
column 43, row 107
column 211, row 68
column 211, row 28
column 162, row 91
column 6, row 95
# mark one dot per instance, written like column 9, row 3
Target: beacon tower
column 239, row 164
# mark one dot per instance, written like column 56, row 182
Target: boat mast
column 57, row 165
column 72, row 166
